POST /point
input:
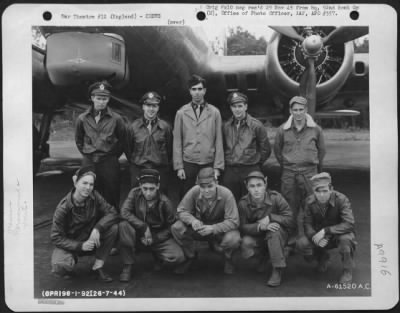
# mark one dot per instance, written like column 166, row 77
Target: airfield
column 348, row 161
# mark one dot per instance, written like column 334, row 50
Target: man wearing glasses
column 197, row 134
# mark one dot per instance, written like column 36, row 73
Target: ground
column 348, row 163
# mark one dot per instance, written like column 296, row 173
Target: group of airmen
column 237, row 217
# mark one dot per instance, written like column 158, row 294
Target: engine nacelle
column 76, row 57
column 284, row 66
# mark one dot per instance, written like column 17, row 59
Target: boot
column 229, row 268
column 347, row 276
column 103, row 276
column 276, row 277
column 126, row 273
column 323, row 263
column 157, row 263
column 262, row 264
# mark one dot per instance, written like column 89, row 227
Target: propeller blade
column 344, row 34
column 288, row 31
column 308, row 86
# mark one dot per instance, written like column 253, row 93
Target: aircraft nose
column 312, row 45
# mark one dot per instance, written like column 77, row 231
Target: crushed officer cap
column 205, row 176
column 321, row 180
column 85, row 170
column 151, row 97
column 298, row 99
column 102, row 88
column 236, row 97
column 255, row 174
column 149, row 175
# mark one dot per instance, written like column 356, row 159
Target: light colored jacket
column 198, row 141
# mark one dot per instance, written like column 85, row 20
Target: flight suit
column 300, row 154
column 101, row 144
column 338, row 222
column 197, row 142
column 256, row 242
column 73, row 225
column 222, row 213
column 246, row 149
column 137, row 217
column 150, row 150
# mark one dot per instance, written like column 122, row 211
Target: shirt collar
column 267, row 199
column 106, row 111
column 309, row 122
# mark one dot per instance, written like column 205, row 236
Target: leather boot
column 183, row 267
column 347, row 276
column 229, row 268
column 126, row 273
column 276, row 277
column 103, row 276
column 323, row 263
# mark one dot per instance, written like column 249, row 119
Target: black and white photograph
column 201, row 156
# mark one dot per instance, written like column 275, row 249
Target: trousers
column 234, row 177
column 64, row 260
column 295, row 188
column 108, row 175
column 168, row 251
column 271, row 243
column 191, row 171
column 185, row 236
column 345, row 242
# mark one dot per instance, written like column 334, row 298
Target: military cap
column 321, row 180
column 102, row 88
column 149, row 175
column 151, row 97
column 205, row 176
column 85, row 170
column 255, row 174
column 298, row 99
column 236, row 97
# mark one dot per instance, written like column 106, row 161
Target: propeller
column 344, row 34
column 288, row 31
column 311, row 48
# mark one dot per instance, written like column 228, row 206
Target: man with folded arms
column 208, row 212
column 265, row 223
column 328, row 224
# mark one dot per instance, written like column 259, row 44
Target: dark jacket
column 159, row 220
column 222, row 214
column 338, row 218
column 299, row 149
column 145, row 147
column 106, row 138
column 72, row 225
column 248, row 145
column 275, row 206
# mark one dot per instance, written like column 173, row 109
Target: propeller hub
column 312, row 45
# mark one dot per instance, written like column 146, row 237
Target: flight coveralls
column 150, row 150
column 138, row 216
column 300, row 155
column 101, row 144
column 246, row 149
column 222, row 213
column 337, row 220
column 72, row 226
column 256, row 242
column 197, row 142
